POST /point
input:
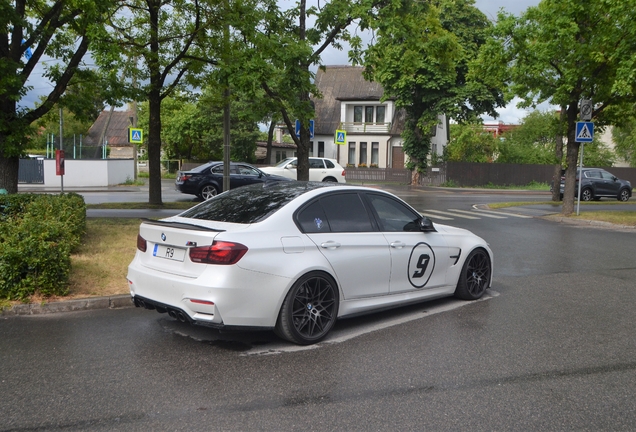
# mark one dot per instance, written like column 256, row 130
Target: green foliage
column 192, row 127
column 470, row 143
column 532, row 142
column 61, row 30
column 37, row 235
column 625, row 138
column 421, row 59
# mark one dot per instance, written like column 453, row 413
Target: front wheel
column 310, row 309
column 623, row 195
column 475, row 276
column 207, row 192
column 587, row 195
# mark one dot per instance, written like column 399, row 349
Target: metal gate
column 31, row 171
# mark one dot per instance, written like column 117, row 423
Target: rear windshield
column 250, row 204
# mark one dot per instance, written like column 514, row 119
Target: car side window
column 607, row 176
column 312, row 219
column 346, row 213
column 316, row 163
column 393, row 216
column 329, row 164
column 593, row 174
column 247, row 170
column 217, row 169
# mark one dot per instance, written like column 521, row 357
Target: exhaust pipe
column 172, row 314
column 181, row 316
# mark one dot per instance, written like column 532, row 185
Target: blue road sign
column 341, row 137
column 584, row 132
column 311, row 128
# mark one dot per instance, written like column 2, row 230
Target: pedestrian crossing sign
column 584, row 132
column 135, row 136
column 341, row 137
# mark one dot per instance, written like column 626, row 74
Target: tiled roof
column 340, row 83
column 117, row 132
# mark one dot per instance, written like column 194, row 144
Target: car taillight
column 219, row 252
column 343, row 173
column 141, row 243
column 184, row 177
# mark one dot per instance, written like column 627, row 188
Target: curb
column 594, row 223
column 110, row 302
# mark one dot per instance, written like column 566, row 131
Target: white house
column 373, row 128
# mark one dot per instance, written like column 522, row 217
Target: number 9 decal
column 421, row 265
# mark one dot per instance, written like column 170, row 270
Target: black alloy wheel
column 475, row 276
column 309, row 310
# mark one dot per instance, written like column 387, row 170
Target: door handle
column 397, row 244
column 330, row 245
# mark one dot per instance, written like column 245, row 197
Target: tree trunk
column 558, row 154
column 154, row 107
column 572, row 162
column 270, row 139
column 9, row 172
column 154, row 148
column 302, row 171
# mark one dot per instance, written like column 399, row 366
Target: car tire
column 623, row 195
column 309, row 310
column 330, row 180
column 475, row 276
column 587, row 195
column 207, row 192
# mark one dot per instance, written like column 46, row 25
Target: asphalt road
column 552, row 347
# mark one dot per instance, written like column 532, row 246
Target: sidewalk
column 109, row 302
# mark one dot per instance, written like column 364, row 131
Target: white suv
column 320, row 169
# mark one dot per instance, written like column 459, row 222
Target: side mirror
column 426, row 225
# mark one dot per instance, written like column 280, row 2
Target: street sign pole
column 578, row 203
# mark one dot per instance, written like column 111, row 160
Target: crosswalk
column 474, row 214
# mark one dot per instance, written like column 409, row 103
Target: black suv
column 598, row 183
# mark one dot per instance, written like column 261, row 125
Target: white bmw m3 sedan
column 294, row 257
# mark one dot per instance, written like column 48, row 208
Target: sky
column 509, row 115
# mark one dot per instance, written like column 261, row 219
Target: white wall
column 82, row 173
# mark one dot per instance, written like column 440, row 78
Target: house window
column 368, row 114
column 357, row 114
column 363, row 153
column 352, row 153
column 311, row 148
column 375, row 153
column 280, row 155
column 434, row 148
column 379, row 114
column 321, row 149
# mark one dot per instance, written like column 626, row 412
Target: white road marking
column 453, row 214
column 435, row 216
column 473, row 213
column 339, row 336
column 502, row 213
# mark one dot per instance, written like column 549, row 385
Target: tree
column 533, row 141
column 562, row 51
column 470, row 143
column 281, row 46
column 61, row 30
column 173, row 41
column 421, row 58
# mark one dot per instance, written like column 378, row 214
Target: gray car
column 598, row 183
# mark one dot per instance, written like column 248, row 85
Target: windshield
column 284, row 162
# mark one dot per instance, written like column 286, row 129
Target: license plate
column 169, row 252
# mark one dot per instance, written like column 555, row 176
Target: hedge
column 37, row 235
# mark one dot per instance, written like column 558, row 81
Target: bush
column 37, row 235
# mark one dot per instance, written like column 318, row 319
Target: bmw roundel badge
column 163, row 237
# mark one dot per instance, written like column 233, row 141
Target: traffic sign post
column 135, row 136
column 311, row 129
column 341, row 137
column 584, row 134
column 586, row 110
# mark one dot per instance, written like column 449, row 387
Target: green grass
column 536, row 186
